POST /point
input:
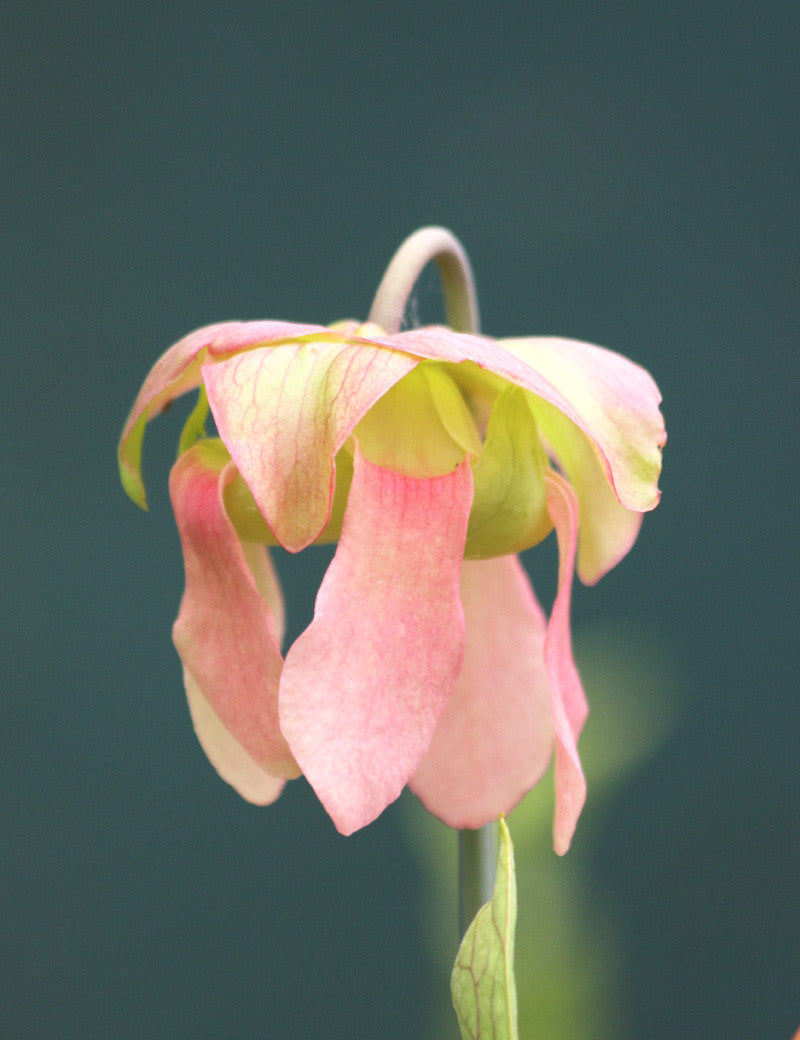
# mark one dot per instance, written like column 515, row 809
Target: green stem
column 430, row 243
column 477, row 865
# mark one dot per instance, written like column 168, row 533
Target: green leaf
column 482, row 983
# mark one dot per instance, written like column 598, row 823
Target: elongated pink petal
column 226, row 754
column 178, row 370
column 495, row 737
column 283, row 413
column 363, row 687
column 567, row 699
column 225, row 633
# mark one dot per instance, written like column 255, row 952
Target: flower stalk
column 477, row 864
column 443, row 248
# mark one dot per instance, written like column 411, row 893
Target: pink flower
column 432, row 457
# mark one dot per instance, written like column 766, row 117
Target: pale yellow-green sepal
column 509, row 511
column 421, row 427
column 194, row 429
column 129, row 457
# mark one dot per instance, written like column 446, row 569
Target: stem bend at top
column 429, row 243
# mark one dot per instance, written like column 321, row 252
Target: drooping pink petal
column 284, row 412
column 495, row 737
column 225, row 632
column 363, row 687
column 567, row 699
column 178, row 370
column 226, row 754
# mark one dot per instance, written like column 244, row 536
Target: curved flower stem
column 477, row 864
column 430, row 243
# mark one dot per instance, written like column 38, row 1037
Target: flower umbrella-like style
column 433, row 457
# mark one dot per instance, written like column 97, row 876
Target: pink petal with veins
column 495, row 737
column 364, row 686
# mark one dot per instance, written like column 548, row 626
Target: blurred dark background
column 621, row 173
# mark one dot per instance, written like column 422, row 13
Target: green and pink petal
column 226, row 632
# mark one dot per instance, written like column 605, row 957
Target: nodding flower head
column 432, row 457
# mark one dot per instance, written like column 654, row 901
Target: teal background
column 621, row 173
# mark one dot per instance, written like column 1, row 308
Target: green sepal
column 509, row 509
column 482, row 984
column 194, row 429
column 421, row 427
column 451, row 407
column 129, row 458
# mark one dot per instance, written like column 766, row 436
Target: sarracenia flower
column 433, row 457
